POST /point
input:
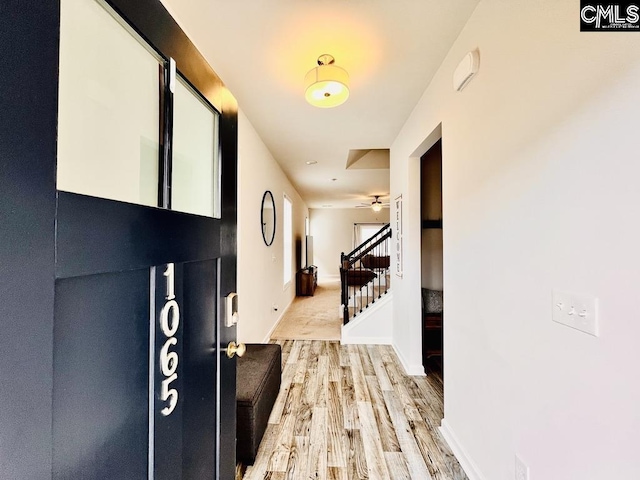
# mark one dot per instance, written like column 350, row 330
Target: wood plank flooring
column 349, row 412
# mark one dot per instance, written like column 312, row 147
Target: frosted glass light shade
column 376, row 206
column 326, row 86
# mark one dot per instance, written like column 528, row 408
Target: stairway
column 364, row 273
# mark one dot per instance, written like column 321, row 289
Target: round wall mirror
column 268, row 218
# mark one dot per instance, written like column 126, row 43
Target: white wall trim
column 328, row 278
column 414, row 370
column 367, row 341
column 469, row 467
column 375, row 322
column 275, row 324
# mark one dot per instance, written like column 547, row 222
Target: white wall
column 540, row 184
column 332, row 230
column 260, row 268
column 373, row 326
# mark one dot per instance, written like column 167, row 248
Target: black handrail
column 354, row 259
column 353, row 252
column 365, row 281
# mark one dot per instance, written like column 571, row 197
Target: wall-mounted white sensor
column 466, row 70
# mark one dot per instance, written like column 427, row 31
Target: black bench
column 258, row 384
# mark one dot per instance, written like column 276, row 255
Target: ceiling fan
column 376, row 205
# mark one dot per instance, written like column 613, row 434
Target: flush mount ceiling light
column 327, row 85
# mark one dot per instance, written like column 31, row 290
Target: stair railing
column 364, row 273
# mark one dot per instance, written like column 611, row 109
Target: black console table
column 306, row 281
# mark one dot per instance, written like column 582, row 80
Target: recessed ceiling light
column 311, row 162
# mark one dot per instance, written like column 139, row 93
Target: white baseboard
column 414, row 370
column 367, row 341
column 275, row 324
column 328, row 278
column 470, row 468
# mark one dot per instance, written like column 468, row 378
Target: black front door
column 137, row 348
column 142, row 388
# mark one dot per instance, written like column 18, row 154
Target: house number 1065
column 169, row 322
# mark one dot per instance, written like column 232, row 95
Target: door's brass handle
column 236, row 349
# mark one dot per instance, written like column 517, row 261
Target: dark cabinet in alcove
column 307, row 281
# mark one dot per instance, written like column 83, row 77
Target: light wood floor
column 349, row 412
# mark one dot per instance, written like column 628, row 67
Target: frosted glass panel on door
column 109, row 111
column 194, row 176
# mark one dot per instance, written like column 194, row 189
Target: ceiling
column 262, row 50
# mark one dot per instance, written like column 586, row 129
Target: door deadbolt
column 231, row 310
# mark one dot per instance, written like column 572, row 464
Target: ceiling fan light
column 326, row 85
column 376, row 206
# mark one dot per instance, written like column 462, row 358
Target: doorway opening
column 432, row 260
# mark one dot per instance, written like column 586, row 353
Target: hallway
column 349, row 412
column 312, row 318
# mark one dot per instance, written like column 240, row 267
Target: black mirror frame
column 262, row 222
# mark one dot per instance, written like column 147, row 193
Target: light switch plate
column 576, row 310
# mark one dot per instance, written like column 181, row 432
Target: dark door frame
column 29, row 207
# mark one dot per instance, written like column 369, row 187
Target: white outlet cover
column 576, row 310
column 522, row 471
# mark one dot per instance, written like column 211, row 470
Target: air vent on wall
column 466, row 70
